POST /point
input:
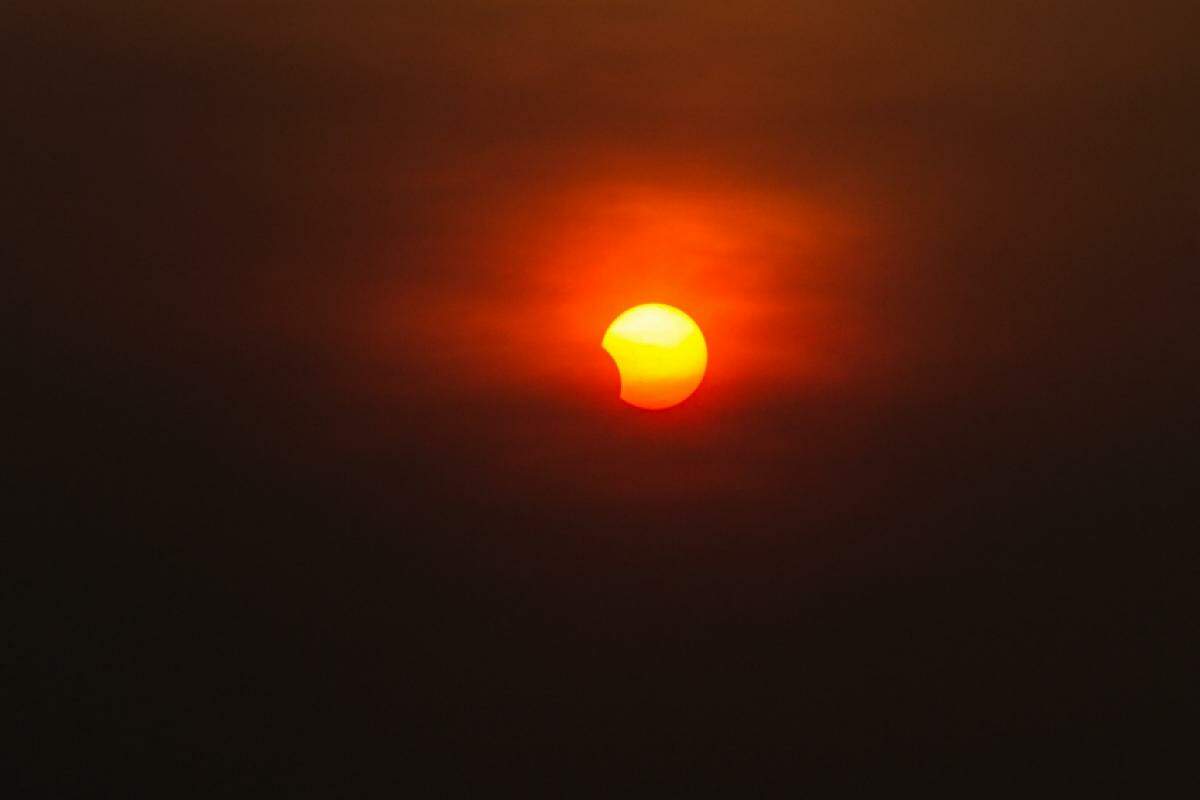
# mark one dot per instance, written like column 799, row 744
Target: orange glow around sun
column 660, row 354
column 767, row 281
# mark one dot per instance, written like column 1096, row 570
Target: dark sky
column 323, row 473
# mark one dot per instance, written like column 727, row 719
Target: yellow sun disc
column 660, row 353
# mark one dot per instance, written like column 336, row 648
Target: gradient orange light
column 660, row 353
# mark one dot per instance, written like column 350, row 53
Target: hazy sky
column 310, row 299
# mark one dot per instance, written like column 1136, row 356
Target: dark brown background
column 322, row 468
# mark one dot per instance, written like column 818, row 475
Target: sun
column 660, row 353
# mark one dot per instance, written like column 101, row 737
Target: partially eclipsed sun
column 660, row 353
